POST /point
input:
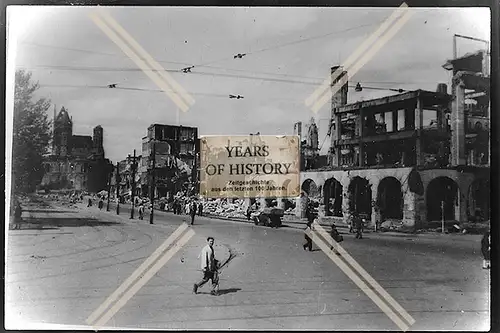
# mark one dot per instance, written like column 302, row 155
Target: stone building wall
column 414, row 205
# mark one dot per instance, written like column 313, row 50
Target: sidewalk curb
column 302, row 225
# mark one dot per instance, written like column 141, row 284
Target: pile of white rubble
column 221, row 207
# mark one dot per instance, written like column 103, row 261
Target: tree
column 31, row 134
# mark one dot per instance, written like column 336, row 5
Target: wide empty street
column 63, row 267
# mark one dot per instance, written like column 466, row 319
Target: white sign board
column 249, row 166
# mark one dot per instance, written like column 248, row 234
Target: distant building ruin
column 417, row 157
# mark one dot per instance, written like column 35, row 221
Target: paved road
column 62, row 274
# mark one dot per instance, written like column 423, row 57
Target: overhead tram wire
column 176, row 70
column 289, row 81
column 126, row 88
column 98, row 53
column 163, row 61
column 312, row 38
column 269, row 48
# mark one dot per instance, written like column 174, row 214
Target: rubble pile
column 221, row 207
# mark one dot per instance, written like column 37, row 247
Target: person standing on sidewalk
column 486, row 249
column 209, row 266
column 200, row 209
column 192, row 211
column 141, row 211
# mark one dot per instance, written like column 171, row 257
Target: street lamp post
column 110, row 174
column 117, row 180
column 134, row 167
column 152, row 187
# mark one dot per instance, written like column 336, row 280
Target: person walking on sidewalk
column 358, row 225
column 18, row 212
column 209, row 266
column 89, row 204
column 486, row 249
column 192, row 211
column 308, row 244
column 311, row 216
column 336, row 236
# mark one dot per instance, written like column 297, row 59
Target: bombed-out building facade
column 417, row 157
column 76, row 162
column 174, row 151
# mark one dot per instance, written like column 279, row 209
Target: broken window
column 401, row 120
column 348, row 126
column 347, row 157
column 430, row 119
column 410, row 120
column 388, row 122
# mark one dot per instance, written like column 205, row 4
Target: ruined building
column 417, row 157
column 176, row 153
column 77, row 161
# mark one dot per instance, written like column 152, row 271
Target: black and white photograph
column 248, row 168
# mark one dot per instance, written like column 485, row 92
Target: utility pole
column 442, row 216
column 152, row 187
column 134, row 167
column 117, row 180
column 110, row 174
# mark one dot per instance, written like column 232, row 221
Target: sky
column 289, row 52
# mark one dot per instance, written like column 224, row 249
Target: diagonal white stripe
column 145, row 55
column 129, row 281
column 147, row 276
column 360, row 283
column 152, row 75
column 367, row 57
column 361, row 271
column 352, row 58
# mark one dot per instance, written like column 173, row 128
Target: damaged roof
column 429, row 96
column 471, row 62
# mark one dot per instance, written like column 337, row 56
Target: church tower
column 98, row 141
column 63, row 132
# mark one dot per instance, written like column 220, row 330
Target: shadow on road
column 47, row 211
column 54, row 223
column 228, row 291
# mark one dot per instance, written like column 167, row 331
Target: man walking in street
column 311, row 216
column 308, row 244
column 358, row 225
column 192, row 211
column 337, row 237
column 209, row 266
